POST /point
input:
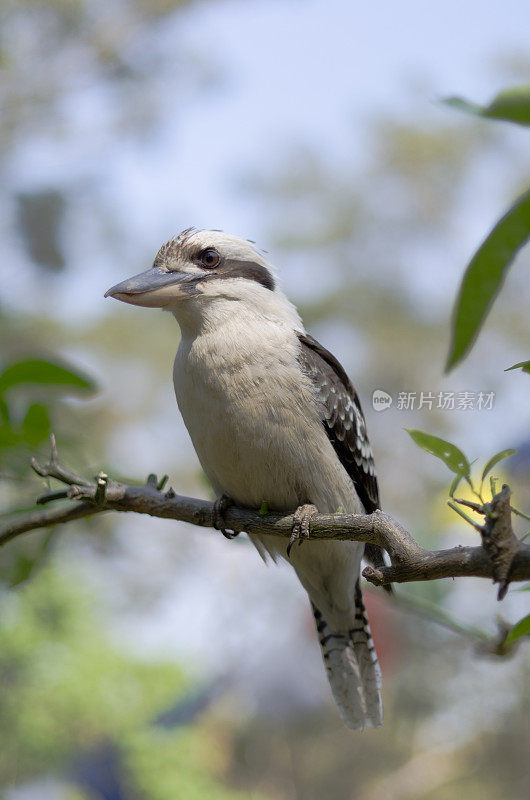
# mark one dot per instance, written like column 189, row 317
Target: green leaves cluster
column 455, row 459
column 485, row 274
column 481, row 283
column 24, row 419
column 460, row 466
column 29, row 391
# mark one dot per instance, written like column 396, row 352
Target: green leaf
column 449, row 453
column 264, row 509
column 521, row 628
column 8, row 437
column 5, row 416
column 512, row 105
column 39, row 371
column 36, row 426
column 21, row 570
column 454, row 485
column 495, row 460
column 484, row 277
column 463, row 105
column 524, row 366
column 26, row 561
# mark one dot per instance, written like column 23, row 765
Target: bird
column 274, row 419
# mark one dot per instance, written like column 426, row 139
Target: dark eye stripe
column 252, row 271
column 234, row 268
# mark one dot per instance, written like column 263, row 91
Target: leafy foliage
column 484, row 277
column 521, row 628
column 455, row 459
column 512, row 105
column 67, row 692
column 494, row 460
column 29, row 390
column 524, row 366
column 24, row 421
column 47, row 373
column 485, row 274
column 458, row 463
column 447, row 452
column 455, row 484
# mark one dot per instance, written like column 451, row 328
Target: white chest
column 254, row 420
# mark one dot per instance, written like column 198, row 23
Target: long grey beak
column 149, row 288
column 146, row 281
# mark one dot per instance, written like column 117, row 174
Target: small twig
column 520, row 513
column 479, row 507
column 452, row 504
column 37, row 520
column 51, row 496
column 52, row 469
column 101, row 488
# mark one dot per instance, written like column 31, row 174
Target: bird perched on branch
column 273, row 418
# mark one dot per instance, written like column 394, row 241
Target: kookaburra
column 273, row 418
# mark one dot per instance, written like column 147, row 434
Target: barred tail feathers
column 353, row 670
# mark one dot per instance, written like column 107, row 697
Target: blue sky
column 277, row 75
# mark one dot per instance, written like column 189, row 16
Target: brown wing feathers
column 343, row 418
column 344, row 422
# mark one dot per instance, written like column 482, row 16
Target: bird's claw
column 220, row 507
column 300, row 529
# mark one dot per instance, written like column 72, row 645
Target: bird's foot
column 220, row 507
column 300, row 529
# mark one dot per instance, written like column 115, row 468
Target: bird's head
column 198, row 265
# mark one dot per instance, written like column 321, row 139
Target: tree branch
column 501, row 557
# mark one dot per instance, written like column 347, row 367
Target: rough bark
column 501, row 556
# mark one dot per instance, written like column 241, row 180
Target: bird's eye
column 210, row 258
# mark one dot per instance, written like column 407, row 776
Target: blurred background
column 144, row 659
